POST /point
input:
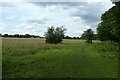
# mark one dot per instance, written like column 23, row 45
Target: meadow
column 33, row 58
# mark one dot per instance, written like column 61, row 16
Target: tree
column 95, row 37
column 16, row 35
column 27, row 36
column 5, row 35
column 83, row 36
column 67, row 37
column 0, row 35
column 55, row 35
column 103, row 32
column 88, row 35
column 109, row 28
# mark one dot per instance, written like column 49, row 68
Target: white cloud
column 1, row 9
column 57, row 0
column 3, row 28
column 115, row 0
column 34, row 19
column 11, row 17
column 25, row 28
column 13, row 1
column 22, row 29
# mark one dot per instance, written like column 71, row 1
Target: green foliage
column 20, row 36
column 68, row 37
column 5, row 35
column 107, row 49
column 109, row 28
column 104, row 32
column 88, row 35
column 55, row 35
column 32, row 58
column 0, row 35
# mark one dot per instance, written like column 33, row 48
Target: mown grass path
column 32, row 58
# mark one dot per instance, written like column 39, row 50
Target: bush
column 88, row 35
column 55, row 35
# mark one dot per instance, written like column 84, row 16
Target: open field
column 33, row 58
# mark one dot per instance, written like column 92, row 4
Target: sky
column 34, row 17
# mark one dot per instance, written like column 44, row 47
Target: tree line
column 20, row 36
column 34, row 36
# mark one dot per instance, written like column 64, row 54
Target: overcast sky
column 35, row 17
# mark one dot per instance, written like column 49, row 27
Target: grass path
column 73, row 58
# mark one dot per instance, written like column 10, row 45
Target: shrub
column 55, row 35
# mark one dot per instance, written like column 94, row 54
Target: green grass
column 33, row 58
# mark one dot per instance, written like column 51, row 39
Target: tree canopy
column 88, row 35
column 55, row 35
column 109, row 28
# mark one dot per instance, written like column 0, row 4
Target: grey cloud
column 92, row 10
column 115, row 0
column 90, row 13
column 88, row 18
column 38, row 21
column 65, row 5
column 6, row 4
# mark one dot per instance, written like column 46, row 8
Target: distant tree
column 5, row 35
column 11, row 35
column 77, row 37
column 0, row 35
column 27, row 36
column 74, row 37
column 83, row 36
column 22, row 36
column 66, row 37
column 55, row 35
column 88, row 35
column 16, row 35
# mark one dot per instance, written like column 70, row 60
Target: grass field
column 33, row 58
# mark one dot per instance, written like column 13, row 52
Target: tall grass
column 33, row 58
